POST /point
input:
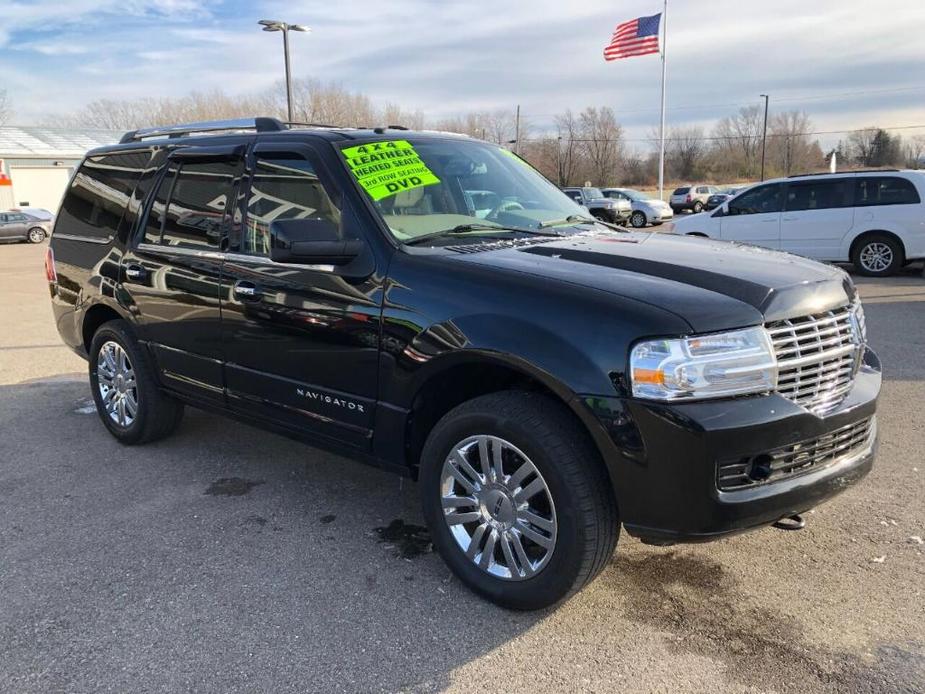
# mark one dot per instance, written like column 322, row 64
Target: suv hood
column 712, row 285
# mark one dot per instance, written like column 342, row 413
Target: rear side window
column 188, row 209
column 680, row 191
column 817, row 195
column 99, row 193
column 885, row 190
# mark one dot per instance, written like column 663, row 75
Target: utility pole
column 273, row 25
column 559, row 160
column 764, row 134
column 517, row 131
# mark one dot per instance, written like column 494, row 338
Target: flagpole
column 661, row 130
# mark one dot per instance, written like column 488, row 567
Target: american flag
column 635, row 37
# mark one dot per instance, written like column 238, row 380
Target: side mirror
column 311, row 242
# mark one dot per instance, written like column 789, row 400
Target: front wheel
column 638, row 219
column 878, row 255
column 127, row 398
column 517, row 500
column 36, row 235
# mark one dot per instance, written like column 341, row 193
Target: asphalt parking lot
column 228, row 559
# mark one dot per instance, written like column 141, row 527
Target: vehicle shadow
column 227, row 558
column 214, row 559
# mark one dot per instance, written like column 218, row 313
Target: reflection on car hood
column 713, row 285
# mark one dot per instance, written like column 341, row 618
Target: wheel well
column 96, row 316
column 875, row 232
column 698, row 233
column 456, row 385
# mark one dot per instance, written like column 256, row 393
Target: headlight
column 706, row 366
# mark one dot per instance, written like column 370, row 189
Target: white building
column 36, row 163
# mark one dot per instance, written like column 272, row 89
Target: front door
column 172, row 274
column 817, row 215
column 12, row 226
column 300, row 341
column 754, row 217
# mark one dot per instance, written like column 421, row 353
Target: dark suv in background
column 546, row 377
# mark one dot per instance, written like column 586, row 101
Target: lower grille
column 796, row 459
column 818, row 356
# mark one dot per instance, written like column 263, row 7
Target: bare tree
column 738, row 141
column 790, row 148
column 914, row 152
column 875, row 147
column 686, row 151
column 567, row 133
column 602, row 143
column 6, row 107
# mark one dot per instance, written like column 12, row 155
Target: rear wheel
column 36, row 235
column 517, row 499
column 127, row 398
column 698, row 207
column 638, row 219
column 878, row 255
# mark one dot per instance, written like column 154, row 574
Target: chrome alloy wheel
column 36, row 235
column 876, row 257
column 498, row 507
column 116, row 382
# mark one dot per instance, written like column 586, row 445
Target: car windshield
column 423, row 186
column 634, row 194
column 593, row 193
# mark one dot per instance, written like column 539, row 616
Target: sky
column 848, row 63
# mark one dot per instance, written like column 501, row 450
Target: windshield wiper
column 578, row 218
column 464, row 228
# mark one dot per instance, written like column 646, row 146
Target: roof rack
column 843, row 173
column 261, row 125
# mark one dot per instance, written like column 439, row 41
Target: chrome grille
column 797, row 458
column 817, row 357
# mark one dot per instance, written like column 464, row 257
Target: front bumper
column 665, row 459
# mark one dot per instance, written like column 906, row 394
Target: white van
column 874, row 219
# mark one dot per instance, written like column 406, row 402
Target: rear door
column 754, row 216
column 172, row 272
column 7, row 228
column 817, row 214
column 301, row 341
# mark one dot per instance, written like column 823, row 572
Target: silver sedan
column 20, row 226
column 645, row 209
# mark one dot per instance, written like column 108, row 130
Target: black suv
column 545, row 377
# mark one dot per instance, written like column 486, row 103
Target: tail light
column 50, row 273
column 689, row 198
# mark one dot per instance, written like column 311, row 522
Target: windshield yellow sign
column 387, row 168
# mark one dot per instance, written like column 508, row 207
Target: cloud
column 446, row 58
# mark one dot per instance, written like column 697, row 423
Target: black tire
column 588, row 523
column 638, row 219
column 36, row 235
column 698, row 207
column 158, row 414
column 864, row 264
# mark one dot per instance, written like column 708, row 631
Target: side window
column 18, row 217
column 196, row 207
column 885, row 190
column 154, row 224
column 817, row 195
column 285, row 186
column 757, row 201
column 99, row 193
column 574, row 195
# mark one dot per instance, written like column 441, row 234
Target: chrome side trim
column 85, row 239
column 229, row 257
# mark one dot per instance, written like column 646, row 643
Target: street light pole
column 273, row 25
column 764, row 134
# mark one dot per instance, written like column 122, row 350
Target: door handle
column 789, row 219
column 135, row 272
column 247, row 291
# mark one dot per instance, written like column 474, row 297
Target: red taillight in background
column 50, row 273
column 689, row 198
